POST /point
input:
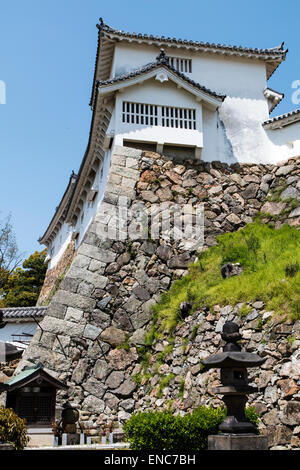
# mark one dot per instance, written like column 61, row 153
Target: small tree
column 23, row 285
column 10, row 257
column 13, row 429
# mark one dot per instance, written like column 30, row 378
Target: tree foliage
column 23, row 285
column 10, row 257
column 13, row 429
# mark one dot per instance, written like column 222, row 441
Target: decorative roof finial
column 162, row 57
column 231, row 335
column 101, row 24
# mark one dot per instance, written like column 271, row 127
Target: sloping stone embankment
column 95, row 323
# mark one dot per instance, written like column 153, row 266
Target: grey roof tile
column 23, row 312
column 274, row 51
column 295, row 112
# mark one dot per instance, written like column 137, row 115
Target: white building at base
column 181, row 98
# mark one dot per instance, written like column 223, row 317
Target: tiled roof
column 23, row 312
column 60, row 210
column 272, row 52
column 288, row 117
column 161, row 60
column 29, row 374
column 107, row 36
column 274, row 96
column 23, row 375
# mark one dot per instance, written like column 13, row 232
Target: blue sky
column 47, row 56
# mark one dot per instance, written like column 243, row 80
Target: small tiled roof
column 22, row 375
column 284, row 119
column 161, row 60
column 29, row 374
column 23, row 312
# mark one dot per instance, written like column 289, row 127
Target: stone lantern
column 237, row 432
column 69, row 418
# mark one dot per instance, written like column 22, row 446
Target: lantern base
column 231, row 425
column 70, row 439
column 237, row 442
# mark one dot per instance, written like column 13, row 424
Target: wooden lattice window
column 26, row 409
column 181, row 118
column 139, row 113
column 180, row 64
column 154, row 115
column 45, row 409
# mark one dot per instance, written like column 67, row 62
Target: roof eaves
column 23, row 312
column 103, row 61
column 30, row 374
column 87, row 160
column 274, row 52
column 284, row 117
column 274, row 91
column 275, row 96
column 63, row 206
column 95, row 69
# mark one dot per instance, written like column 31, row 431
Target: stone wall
column 7, row 369
column 177, row 379
column 55, row 275
column 96, row 321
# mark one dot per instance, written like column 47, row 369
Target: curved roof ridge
column 161, row 60
column 273, row 50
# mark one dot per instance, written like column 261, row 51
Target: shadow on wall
column 175, row 152
column 225, row 146
column 286, row 141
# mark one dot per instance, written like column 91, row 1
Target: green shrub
column 13, row 429
column 252, row 416
column 150, row 430
column 153, row 430
column 163, row 431
column 197, row 426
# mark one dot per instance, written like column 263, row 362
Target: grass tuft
column 270, row 259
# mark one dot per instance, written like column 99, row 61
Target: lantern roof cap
column 233, row 359
column 232, row 356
